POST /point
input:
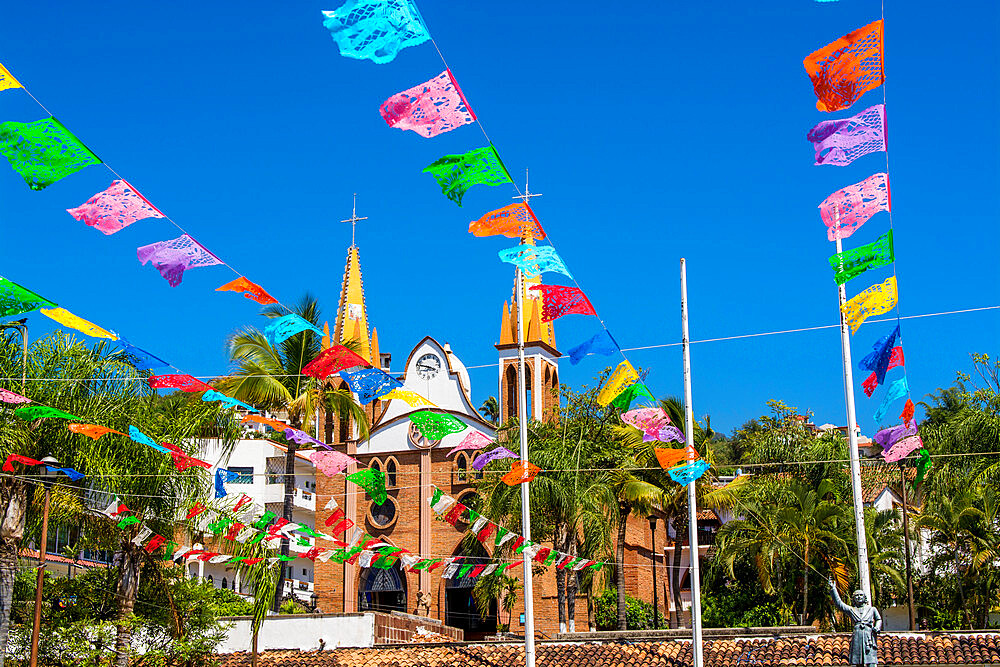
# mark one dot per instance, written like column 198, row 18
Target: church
column 413, row 466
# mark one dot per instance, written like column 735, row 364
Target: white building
column 261, row 466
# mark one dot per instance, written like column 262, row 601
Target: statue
column 867, row 625
column 423, row 602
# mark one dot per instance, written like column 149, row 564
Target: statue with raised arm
column 867, row 625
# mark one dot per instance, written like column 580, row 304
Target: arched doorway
column 382, row 589
column 460, row 607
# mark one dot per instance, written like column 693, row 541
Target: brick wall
column 404, row 531
column 396, row 629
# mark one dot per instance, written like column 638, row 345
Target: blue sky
column 676, row 129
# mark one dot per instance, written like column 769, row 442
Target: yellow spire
column 534, row 329
column 352, row 316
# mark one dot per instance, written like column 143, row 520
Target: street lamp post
column 652, row 552
column 22, row 327
column 48, row 477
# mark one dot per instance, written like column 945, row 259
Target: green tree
column 101, row 386
column 270, row 377
column 810, row 522
column 954, row 524
column 501, row 589
column 672, row 499
column 884, row 533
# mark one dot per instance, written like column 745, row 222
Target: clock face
column 428, row 366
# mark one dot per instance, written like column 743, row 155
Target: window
column 275, row 470
column 225, row 584
column 390, row 472
column 463, row 467
column 479, row 473
column 303, row 572
column 209, row 579
column 61, row 538
column 383, row 516
column 375, row 464
column 245, row 475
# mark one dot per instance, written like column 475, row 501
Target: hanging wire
column 627, row 349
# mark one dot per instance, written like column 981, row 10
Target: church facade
column 414, row 466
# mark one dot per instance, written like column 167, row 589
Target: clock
column 428, row 366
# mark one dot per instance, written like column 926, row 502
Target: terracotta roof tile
column 943, row 649
column 877, row 476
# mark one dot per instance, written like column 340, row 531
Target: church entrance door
column 382, row 590
column 461, row 610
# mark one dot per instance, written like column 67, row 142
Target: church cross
column 354, row 219
column 528, row 194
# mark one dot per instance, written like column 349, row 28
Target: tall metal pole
column 522, row 421
column 40, row 580
column 697, row 648
column 906, row 545
column 652, row 552
column 852, row 441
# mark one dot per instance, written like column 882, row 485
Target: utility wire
column 627, row 349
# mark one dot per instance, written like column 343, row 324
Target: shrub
column 638, row 614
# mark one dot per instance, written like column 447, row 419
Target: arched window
column 390, row 472
column 328, row 427
column 209, row 579
column 510, row 378
column 462, row 463
column 225, row 583
column 343, row 422
column 529, row 403
column 478, row 474
column 375, row 464
column 546, row 388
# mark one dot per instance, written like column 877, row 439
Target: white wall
column 302, row 632
column 895, row 618
column 253, row 453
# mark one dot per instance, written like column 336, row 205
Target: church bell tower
column 541, row 358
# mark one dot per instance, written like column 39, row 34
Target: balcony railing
column 305, row 499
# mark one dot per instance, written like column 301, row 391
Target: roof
column 876, row 477
column 941, row 649
column 55, row 558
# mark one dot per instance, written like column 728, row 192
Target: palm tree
column 270, row 377
column 953, row 522
column 750, row 538
column 638, row 497
column 576, row 504
column 808, row 522
column 885, row 553
column 490, row 410
column 500, row 588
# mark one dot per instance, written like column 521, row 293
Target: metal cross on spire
column 354, row 219
column 528, row 194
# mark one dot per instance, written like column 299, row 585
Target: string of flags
column 492, row 535
column 841, row 73
column 46, row 151
column 377, row 30
column 366, row 382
